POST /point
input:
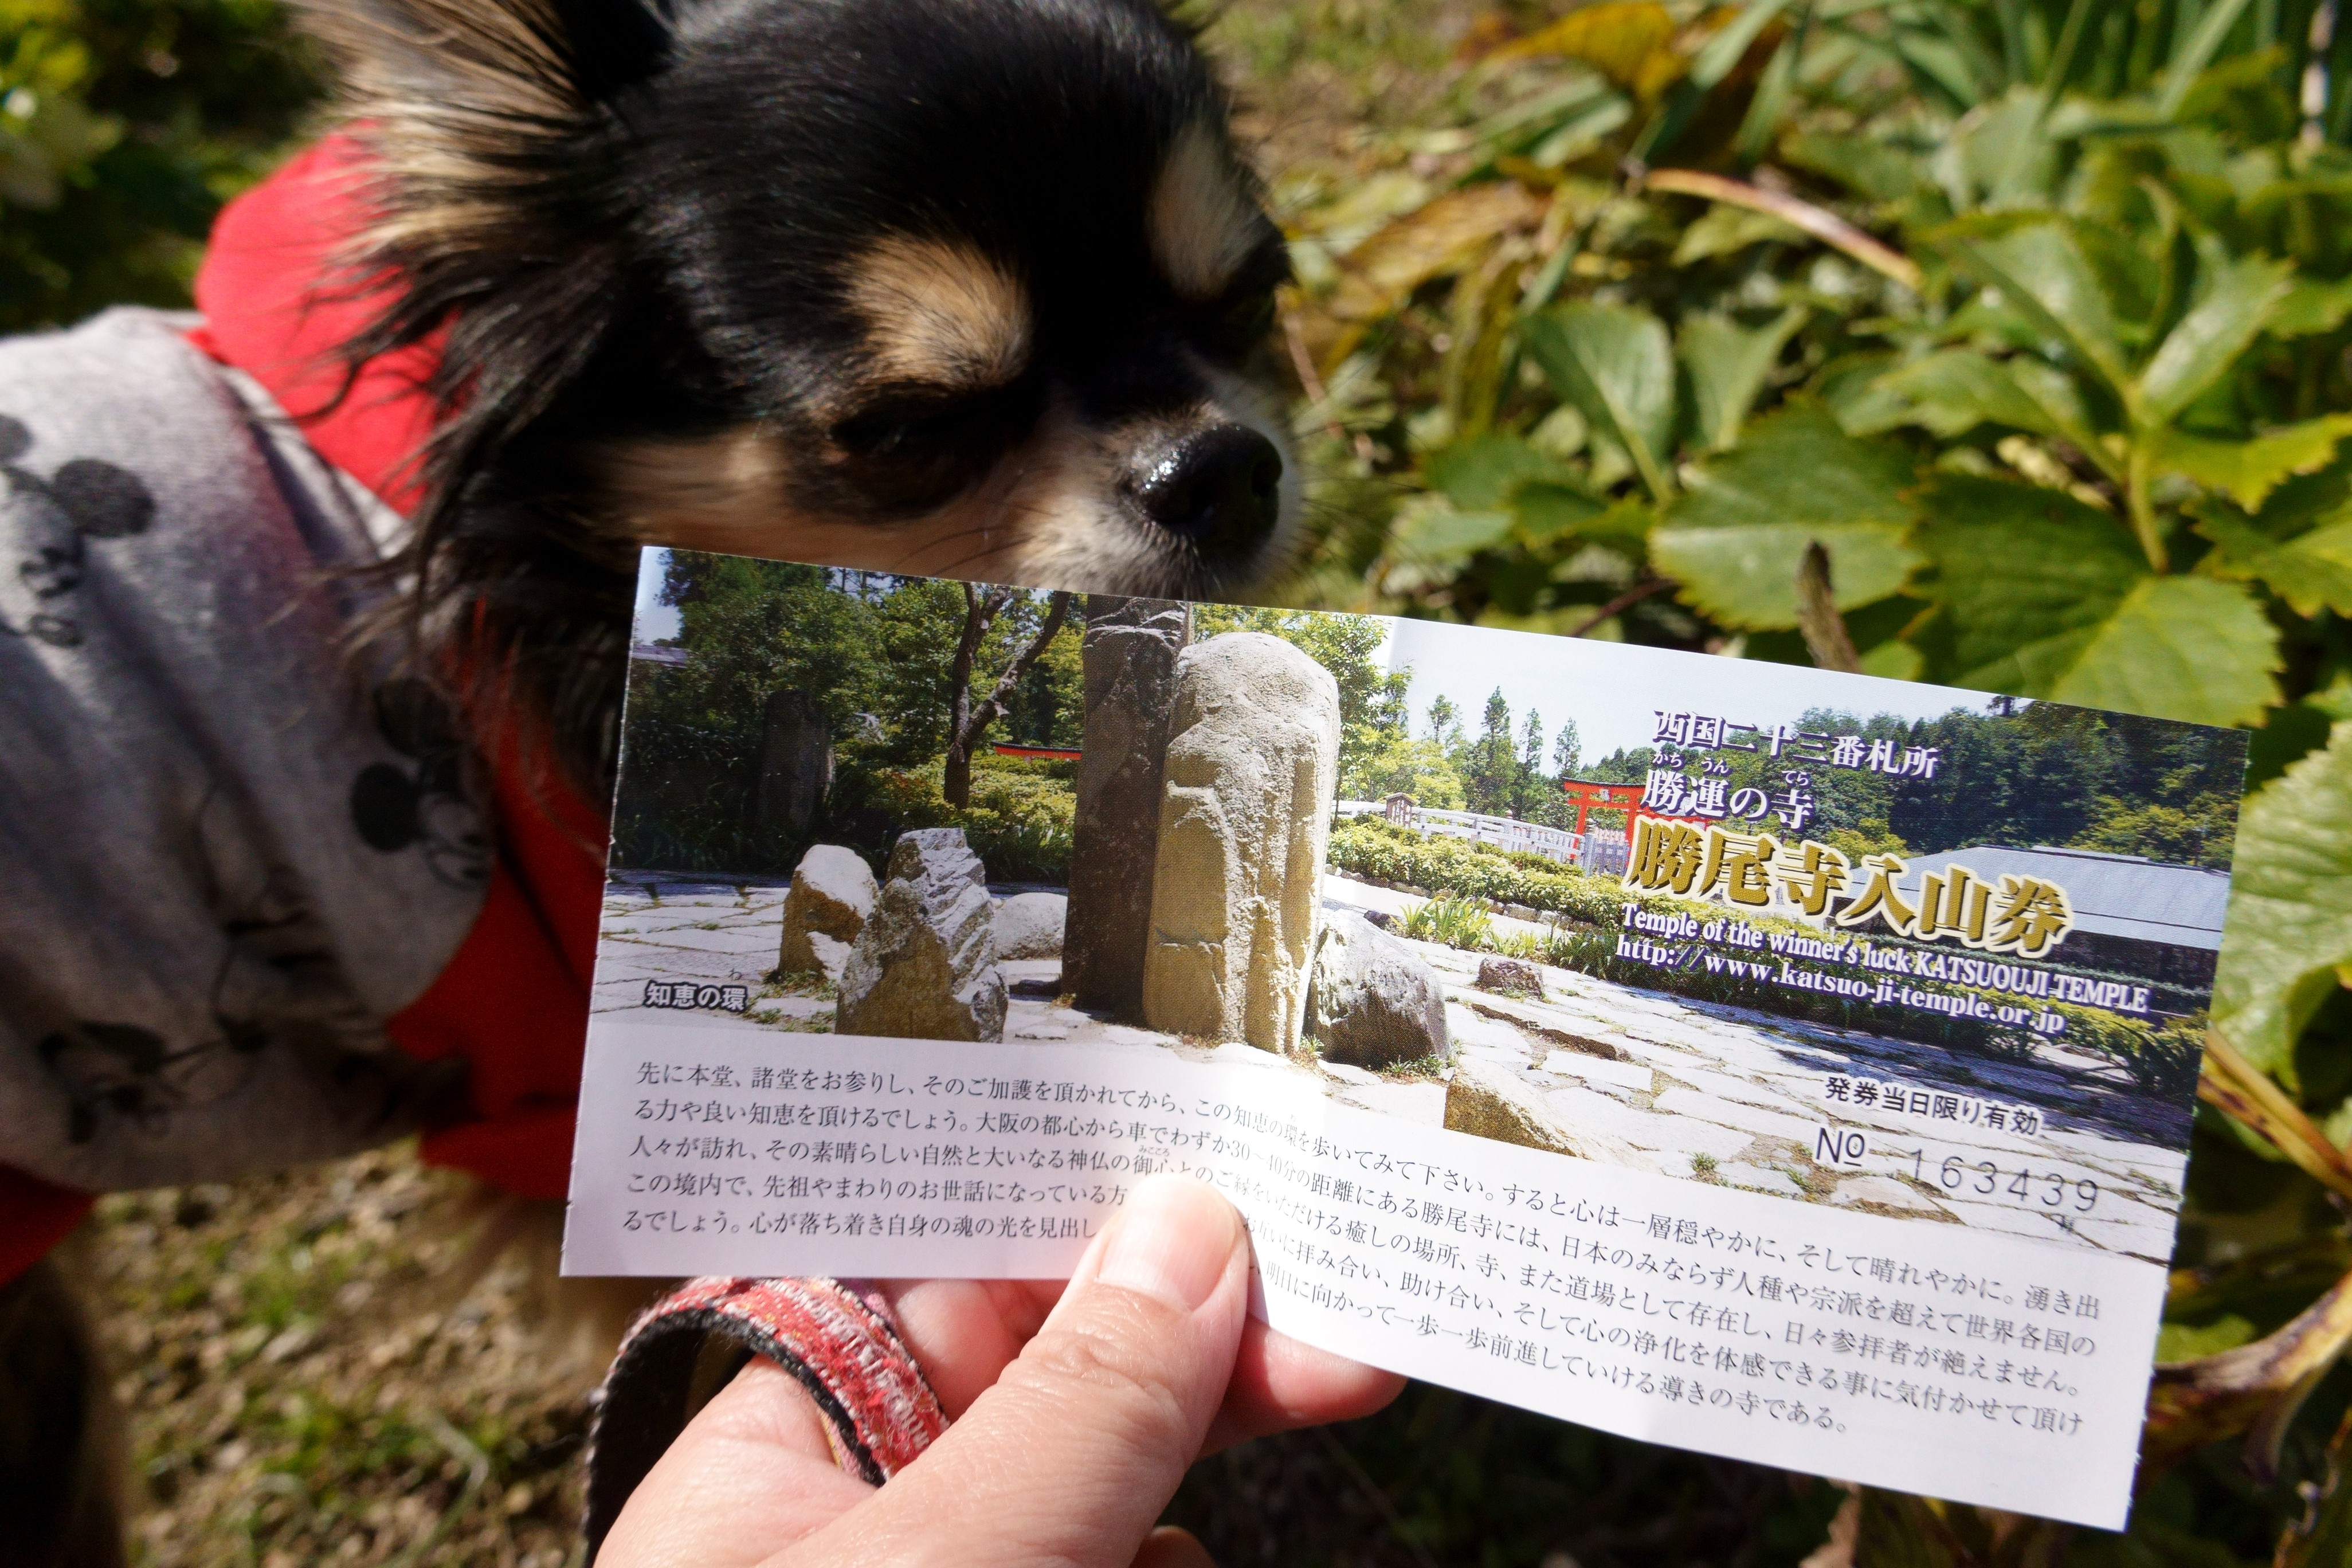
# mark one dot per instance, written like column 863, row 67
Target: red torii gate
column 1590, row 796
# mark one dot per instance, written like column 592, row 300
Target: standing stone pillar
column 1129, row 659
column 795, row 763
column 1244, row 818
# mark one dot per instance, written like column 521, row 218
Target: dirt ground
column 302, row 1389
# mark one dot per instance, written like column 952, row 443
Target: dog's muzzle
column 1219, row 489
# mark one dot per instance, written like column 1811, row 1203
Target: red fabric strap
column 836, row 1337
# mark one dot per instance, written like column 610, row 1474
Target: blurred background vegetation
column 2001, row 343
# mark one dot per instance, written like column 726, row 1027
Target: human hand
column 1077, row 1409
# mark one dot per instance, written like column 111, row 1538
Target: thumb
column 1071, row 1455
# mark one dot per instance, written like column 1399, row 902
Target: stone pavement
column 1718, row 1094
column 1736, row 1097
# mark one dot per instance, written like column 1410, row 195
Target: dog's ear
column 494, row 148
column 548, row 60
column 483, row 114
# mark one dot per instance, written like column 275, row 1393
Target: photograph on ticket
column 1856, row 944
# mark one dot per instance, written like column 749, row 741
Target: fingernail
column 1171, row 1241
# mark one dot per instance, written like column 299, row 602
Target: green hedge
column 1370, row 848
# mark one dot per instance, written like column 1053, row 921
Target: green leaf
column 2002, row 152
column 2043, row 275
column 1724, row 228
column 1438, row 534
column 2311, row 307
column 2179, row 647
column 1728, row 364
column 1720, row 53
column 1849, row 385
column 2207, row 341
column 1615, row 364
column 2182, row 1342
column 1545, row 511
column 2311, row 572
column 1878, row 170
column 1735, row 540
column 2193, row 55
column 2247, row 471
column 2289, row 935
column 1954, row 391
column 1482, row 472
column 2048, row 597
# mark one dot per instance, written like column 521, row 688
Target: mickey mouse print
column 50, row 522
column 234, row 842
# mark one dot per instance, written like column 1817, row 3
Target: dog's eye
column 1240, row 325
column 918, row 451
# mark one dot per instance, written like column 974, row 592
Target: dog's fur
column 934, row 286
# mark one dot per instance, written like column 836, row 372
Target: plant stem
column 1624, row 601
column 2143, row 510
column 1825, row 226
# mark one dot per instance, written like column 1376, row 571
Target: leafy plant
column 124, row 124
column 2001, row 343
column 1455, row 920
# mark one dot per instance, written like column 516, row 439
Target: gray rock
column 1030, row 925
column 924, row 967
column 1370, row 1001
column 1129, row 659
column 1510, row 977
column 1245, row 820
column 1487, row 1100
column 832, row 894
column 795, row 763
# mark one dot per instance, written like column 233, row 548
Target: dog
column 940, row 287
column 978, row 287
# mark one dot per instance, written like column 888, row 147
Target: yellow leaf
column 1617, row 37
column 1441, row 238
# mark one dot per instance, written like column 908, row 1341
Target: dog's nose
column 1220, row 488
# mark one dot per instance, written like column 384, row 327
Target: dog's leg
column 61, row 1437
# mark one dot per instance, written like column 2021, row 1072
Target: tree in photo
column 1567, row 750
column 1490, row 768
column 969, row 720
column 1444, row 725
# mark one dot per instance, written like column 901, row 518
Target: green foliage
column 124, row 124
column 2041, row 428
column 1455, row 920
column 874, row 653
column 1370, row 848
column 1735, row 540
column 2289, row 940
column 1019, row 822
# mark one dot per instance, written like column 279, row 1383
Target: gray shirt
column 230, row 847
